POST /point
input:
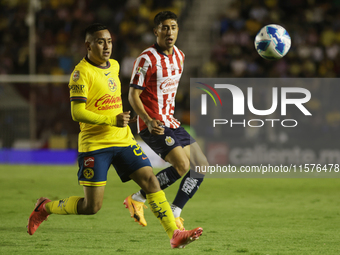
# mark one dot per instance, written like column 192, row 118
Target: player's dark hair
column 91, row 29
column 161, row 16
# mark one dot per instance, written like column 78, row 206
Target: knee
column 93, row 208
column 182, row 166
column 197, row 157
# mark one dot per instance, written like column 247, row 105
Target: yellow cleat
column 136, row 210
column 179, row 223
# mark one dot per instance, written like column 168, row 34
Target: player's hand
column 133, row 120
column 123, row 119
column 154, row 127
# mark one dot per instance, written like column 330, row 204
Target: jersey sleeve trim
column 137, row 86
column 84, row 99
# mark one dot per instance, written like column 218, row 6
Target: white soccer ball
column 272, row 42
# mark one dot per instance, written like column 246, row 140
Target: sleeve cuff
column 114, row 121
column 137, row 86
column 83, row 99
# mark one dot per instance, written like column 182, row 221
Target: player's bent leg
column 178, row 159
column 87, row 205
column 191, row 181
column 90, row 204
column 146, row 179
column 169, row 147
column 44, row 207
column 93, row 200
column 196, row 156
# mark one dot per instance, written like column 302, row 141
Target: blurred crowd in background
column 314, row 27
column 59, row 29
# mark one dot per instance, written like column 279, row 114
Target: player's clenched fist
column 155, row 127
column 123, row 119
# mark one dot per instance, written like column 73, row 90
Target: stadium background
column 41, row 41
column 254, row 216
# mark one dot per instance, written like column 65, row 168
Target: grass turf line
column 239, row 216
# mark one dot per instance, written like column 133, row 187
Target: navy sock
column 188, row 187
column 166, row 177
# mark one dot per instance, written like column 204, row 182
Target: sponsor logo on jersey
column 76, row 75
column 77, row 88
column 169, row 141
column 169, row 86
column 88, row 173
column 140, row 70
column 112, row 84
column 108, row 102
column 89, row 161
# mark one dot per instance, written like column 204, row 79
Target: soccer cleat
column 38, row 215
column 179, row 223
column 136, row 210
column 181, row 238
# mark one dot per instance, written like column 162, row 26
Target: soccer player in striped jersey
column 105, row 139
column 153, row 87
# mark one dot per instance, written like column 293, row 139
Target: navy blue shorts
column 93, row 165
column 163, row 144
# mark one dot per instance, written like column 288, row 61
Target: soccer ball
column 272, row 42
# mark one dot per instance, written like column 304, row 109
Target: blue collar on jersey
column 160, row 50
column 102, row 67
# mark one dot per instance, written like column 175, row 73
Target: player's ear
column 87, row 45
column 155, row 32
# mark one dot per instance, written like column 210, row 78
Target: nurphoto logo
column 238, row 108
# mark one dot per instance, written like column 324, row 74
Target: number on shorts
column 137, row 149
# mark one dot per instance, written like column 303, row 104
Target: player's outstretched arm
column 154, row 126
column 80, row 114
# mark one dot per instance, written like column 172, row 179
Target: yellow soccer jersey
column 99, row 87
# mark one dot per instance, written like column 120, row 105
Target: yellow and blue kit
column 100, row 146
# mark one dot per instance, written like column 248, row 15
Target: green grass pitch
column 239, row 216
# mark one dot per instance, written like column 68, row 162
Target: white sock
column 176, row 210
column 138, row 197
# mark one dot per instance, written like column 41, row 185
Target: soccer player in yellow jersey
column 105, row 138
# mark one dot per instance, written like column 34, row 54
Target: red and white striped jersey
column 158, row 75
